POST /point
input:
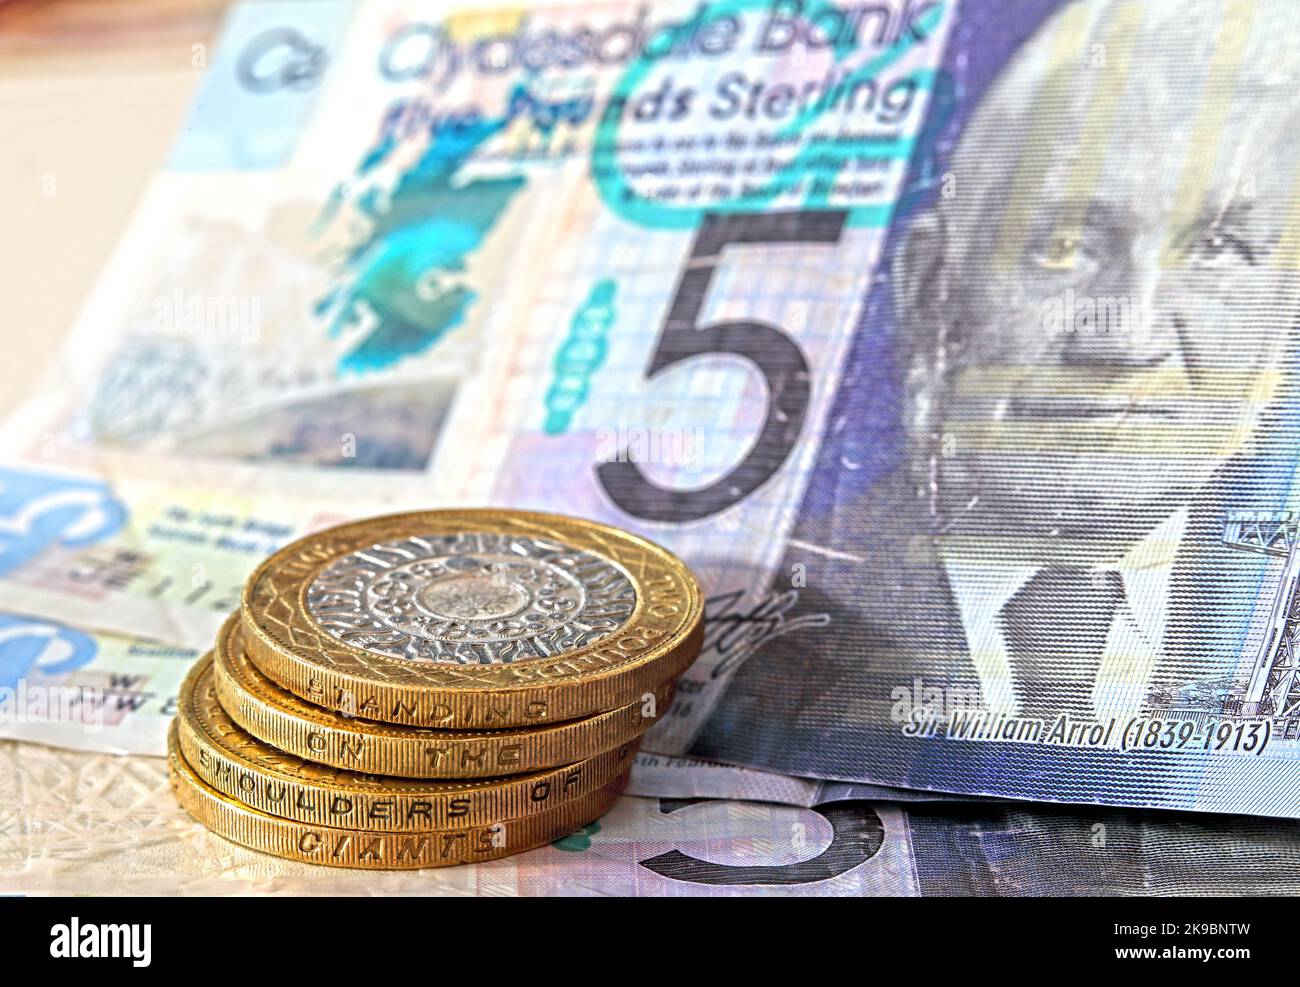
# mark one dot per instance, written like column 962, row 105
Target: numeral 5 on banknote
column 769, row 348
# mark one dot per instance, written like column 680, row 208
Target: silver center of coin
column 471, row 598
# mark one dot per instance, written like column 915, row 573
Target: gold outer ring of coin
column 656, row 643
column 244, row 768
column 342, row 847
column 301, row 728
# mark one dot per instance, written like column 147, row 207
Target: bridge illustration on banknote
column 1273, row 689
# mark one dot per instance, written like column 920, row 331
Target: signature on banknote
column 734, row 633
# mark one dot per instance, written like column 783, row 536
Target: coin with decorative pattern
column 339, row 846
column 473, row 619
column 281, row 719
column 244, row 768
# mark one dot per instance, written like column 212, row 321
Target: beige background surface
column 91, row 94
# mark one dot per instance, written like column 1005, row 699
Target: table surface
column 92, row 93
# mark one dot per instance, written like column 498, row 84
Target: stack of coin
column 433, row 688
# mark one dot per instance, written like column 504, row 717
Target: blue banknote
column 952, row 343
column 1049, row 537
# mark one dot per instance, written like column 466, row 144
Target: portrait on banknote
column 1091, row 371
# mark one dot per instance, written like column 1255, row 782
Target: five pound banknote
column 951, row 343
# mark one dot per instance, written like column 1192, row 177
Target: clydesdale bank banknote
column 951, row 342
